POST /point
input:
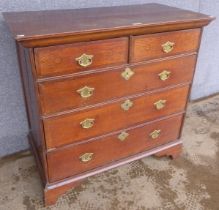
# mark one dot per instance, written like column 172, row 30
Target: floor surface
column 190, row 182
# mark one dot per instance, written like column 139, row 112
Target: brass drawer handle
column 87, row 123
column 85, row 60
column 127, row 73
column 168, row 46
column 122, row 136
column 160, row 104
column 164, row 75
column 86, row 157
column 86, row 91
column 126, row 105
column 155, row 134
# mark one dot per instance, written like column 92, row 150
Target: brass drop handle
column 86, row 91
column 168, row 46
column 87, row 123
column 126, row 105
column 164, row 75
column 86, row 157
column 123, row 136
column 160, row 104
column 127, row 73
column 85, row 60
column 155, row 134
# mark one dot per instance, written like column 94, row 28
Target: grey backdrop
column 13, row 124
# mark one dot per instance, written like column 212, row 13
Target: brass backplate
column 164, row 75
column 155, row 134
column 126, row 105
column 127, row 73
column 85, row 60
column 122, row 136
column 160, row 104
column 86, row 157
column 87, row 123
column 86, row 91
column 168, row 46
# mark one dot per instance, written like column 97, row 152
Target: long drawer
column 151, row 46
column 65, row 94
column 77, row 126
column 80, row 57
column 84, row 157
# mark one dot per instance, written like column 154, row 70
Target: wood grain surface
column 48, row 43
column 66, row 162
column 58, row 60
column 66, row 129
column 35, row 25
column 61, row 95
column 148, row 47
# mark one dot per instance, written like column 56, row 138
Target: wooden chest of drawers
column 104, row 86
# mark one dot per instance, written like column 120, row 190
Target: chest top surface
column 32, row 25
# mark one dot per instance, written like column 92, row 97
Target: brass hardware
column 127, row 105
column 84, row 60
column 127, row 73
column 160, row 104
column 86, row 157
column 87, row 123
column 164, row 75
column 155, row 134
column 86, row 91
column 122, row 136
column 168, row 46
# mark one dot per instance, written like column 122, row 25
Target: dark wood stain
column 118, row 37
column 57, row 60
column 38, row 25
column 61, row 130
column 147, row 47
column 61, row 94
column 64, row 163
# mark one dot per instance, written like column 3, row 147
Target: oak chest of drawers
column 104, row 86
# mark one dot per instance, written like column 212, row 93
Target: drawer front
column 89, row 89
column 77, row 126
column 159, row 45
column 73, row 58
column 84, row 157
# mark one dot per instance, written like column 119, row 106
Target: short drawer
column 160, row 45
column 79, row 57
column 84, row 157
column 78, row 126
column 61, row 95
